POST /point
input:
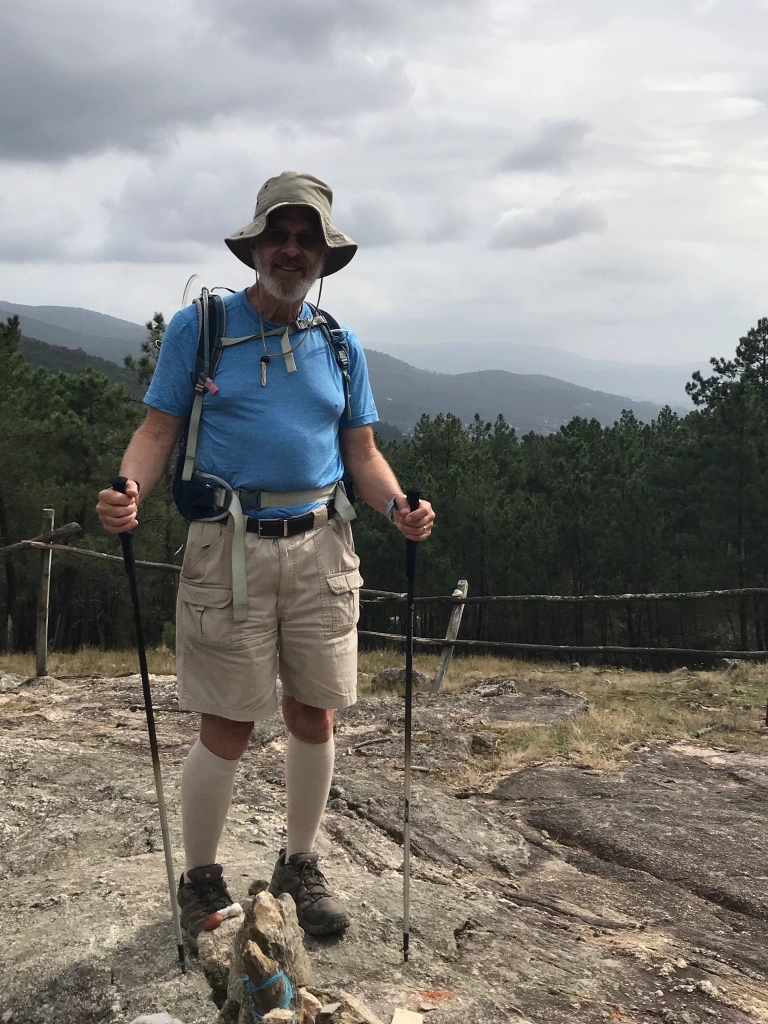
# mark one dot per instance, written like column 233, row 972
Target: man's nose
column 291, row 247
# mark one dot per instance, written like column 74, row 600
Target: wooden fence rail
column 570, row 649
column 382, row 596
column 46, row 543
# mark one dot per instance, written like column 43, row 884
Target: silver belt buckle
column 285, row 527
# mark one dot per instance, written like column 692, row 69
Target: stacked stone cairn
column 258, row 969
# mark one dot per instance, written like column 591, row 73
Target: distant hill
column 112, row 338
column 527, row 401
column 58, row 359
column 664, row 385
column 69, row 338
column 71, row 327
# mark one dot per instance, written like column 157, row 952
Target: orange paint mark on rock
column 437, row 996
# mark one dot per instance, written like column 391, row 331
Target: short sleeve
column 171, row 389
column 361, row 396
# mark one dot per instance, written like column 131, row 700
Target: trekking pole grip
column 414, row 497
column 119, row 484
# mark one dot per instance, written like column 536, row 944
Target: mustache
column 290, row 265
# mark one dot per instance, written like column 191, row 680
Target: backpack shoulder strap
column 211, row 325
column 211, row 328
column 337, row 339
column 331, row 321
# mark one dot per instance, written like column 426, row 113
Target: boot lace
column 213, row 892
column 312, row 882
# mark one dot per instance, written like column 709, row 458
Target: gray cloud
column 547, row 225
column 375, row 219
column 171, row 210
column 129, row 77
column 447, row 228
column 139, row 134
column 553, row 147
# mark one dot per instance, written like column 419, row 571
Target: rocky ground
column 552, row 894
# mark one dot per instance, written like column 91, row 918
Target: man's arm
column 376, row 483
column 144, row 461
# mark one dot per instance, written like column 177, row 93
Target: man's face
column 290, row 252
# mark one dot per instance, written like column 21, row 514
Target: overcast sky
column 573, row 173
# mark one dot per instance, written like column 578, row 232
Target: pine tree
column 144, row 366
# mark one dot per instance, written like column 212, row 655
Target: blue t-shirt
column 282, row 437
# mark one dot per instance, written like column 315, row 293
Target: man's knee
column 311, row 725
column 225, row 737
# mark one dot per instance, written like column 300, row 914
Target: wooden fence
column 49, row 541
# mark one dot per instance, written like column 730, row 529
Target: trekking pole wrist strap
column 390, row 512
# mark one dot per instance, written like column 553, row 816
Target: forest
column 678, row 504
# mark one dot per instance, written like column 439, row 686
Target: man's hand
column 376, row 483
column 416, row 525
column 146, row 457
column 118, row 512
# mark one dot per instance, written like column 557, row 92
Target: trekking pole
column 413, row 496
column 126, row 538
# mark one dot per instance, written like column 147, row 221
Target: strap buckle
column 250, row 499
column 223, row 497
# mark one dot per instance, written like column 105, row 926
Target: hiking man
column 277, row 586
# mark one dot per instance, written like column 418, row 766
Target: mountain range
column 664, row 385
column 72, row 327
column 70, row 338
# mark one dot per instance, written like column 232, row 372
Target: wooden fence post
column 453, row 631
column 43, row 598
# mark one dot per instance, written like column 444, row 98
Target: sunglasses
column 307, row 240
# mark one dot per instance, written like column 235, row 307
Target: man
column 279, row 419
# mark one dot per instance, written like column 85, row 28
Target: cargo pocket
column 206, row 613
column 202, row 554
column 345, row 599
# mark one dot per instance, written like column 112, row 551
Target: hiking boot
column 318, row 910
column 204, row 901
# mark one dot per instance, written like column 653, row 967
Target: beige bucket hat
column 292, row 188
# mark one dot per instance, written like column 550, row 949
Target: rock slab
column 390, row 679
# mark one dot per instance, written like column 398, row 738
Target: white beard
column 286, row 291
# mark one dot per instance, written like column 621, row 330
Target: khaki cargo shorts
column 303, row 607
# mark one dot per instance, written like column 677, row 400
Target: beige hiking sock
column 308, row 774
column 206, row 792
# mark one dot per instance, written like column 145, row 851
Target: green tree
column 13, row 369
column 144, row 366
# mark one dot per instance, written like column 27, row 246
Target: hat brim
column 341, row 247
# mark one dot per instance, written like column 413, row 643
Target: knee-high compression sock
column 308, row 774
column 206, row 792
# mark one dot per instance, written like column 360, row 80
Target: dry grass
column 627, row 708
column 92, row 661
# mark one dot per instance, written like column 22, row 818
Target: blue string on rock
column 249, row 988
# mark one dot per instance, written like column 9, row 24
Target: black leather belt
column 285, row 527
